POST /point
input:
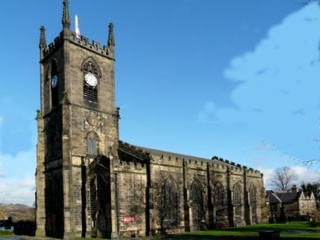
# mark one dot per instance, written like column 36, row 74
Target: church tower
column 77, row 123
column 91, row 184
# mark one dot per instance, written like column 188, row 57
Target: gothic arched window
column 253, row 204
column 197, row 204
column 219, row 203
column 218, row 195
column 169, row 205
column 92, row 144
column 54, row 84
column 92, row 74
column 237, row 200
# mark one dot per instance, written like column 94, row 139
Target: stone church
column 91, row 184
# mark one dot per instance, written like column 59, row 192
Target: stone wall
column 159, row 192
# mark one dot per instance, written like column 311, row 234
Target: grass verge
column 292, row 230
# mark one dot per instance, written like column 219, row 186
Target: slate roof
column 283, row 196
column 166, row 153
column 273, row 198
column 289, row 197
column 143, row 153
column 132, row 151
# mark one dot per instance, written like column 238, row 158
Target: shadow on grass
column 242, row 237
column 281, row 228
column 207, row 237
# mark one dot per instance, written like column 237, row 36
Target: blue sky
column 234, row 79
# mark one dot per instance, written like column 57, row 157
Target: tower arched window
column 54, row 79
column 92, row 144
column 90, row 93
column 92, row 74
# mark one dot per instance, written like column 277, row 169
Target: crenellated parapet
column 254, row 173
column 196, row 164
column 167, row 159
column 83, row 42
column 220, row 163
column 73, row 37
column 133, row 167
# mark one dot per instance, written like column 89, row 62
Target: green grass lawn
column 5, row 233
column 291, row 231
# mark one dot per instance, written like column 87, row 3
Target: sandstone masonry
column 91, row 184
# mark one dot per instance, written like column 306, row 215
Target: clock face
column 91, row 79
column 54, row 81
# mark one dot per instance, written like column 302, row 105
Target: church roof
column 132, row 151
column 144, row 153
column 167, row 153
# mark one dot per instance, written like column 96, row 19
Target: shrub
column 6, row 233
column 314, row 219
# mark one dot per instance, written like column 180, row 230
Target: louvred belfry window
column 54, row 84
column 90, row 93
column 90, row 81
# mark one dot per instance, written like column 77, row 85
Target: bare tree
column 283, row 178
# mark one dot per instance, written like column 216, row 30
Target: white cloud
column 18, row 180
column 278, row 98
column 20, row 165
column 17, row 183
column 267, row 174
column 305, row 175
column 18, row 191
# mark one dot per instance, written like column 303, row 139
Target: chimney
column 294, row 188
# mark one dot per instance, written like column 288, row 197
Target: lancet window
column 197, row 204
column 92, row 144
column 237, row 200
column 169, row 206
column 253, row 204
